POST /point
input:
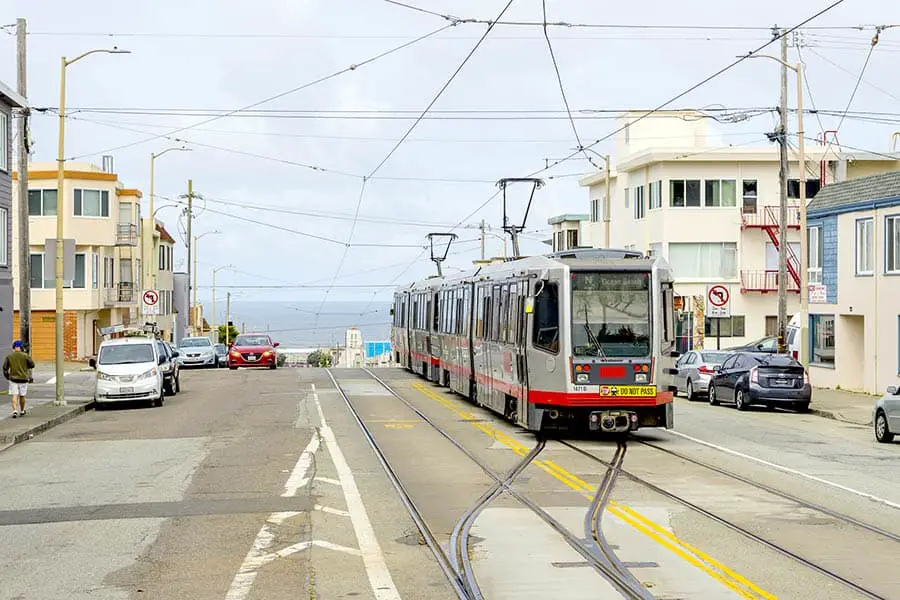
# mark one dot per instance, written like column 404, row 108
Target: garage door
column 43, row 334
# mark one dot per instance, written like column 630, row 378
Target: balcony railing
column 768, row 216
column 765, row 281
column 123, row 293
column 126, row 234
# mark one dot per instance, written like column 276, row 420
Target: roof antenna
column 515, row 230
column 437, row 256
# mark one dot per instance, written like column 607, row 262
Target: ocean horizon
column 296, row 324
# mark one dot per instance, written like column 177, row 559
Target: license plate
column 782, row 382
column 126, row 390
column 638, row 391
column 251, row 357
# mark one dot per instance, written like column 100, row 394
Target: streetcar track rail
column 731, row 525
column 776, row 492
column 624, row 585
column 459, row 539
column 593, row 520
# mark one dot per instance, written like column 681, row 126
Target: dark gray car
column 747, row 378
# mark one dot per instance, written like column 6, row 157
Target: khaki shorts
column 18, row 389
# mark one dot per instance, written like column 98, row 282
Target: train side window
column 479, row 311
column 436, row 313
column 504, row 313
column 668, row 314
column 546, row 318
column 513, row 313
column 496, row 312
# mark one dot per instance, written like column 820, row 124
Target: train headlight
column 640, row 378
column 582, row 377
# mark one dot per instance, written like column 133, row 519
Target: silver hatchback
column 886, row 415
column 694, row 369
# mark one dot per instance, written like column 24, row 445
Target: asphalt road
column 259, row 484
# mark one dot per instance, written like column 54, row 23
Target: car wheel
column 713, row 399
column 740, row 401
column 178, row 383
column 230, row 368
column 273, row 366
column 689, row 391
column 168, row 389
column 882, row 433
column 801, row 407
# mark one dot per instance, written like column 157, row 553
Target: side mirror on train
column 529, row 305
column 893, row 390
column 391, row 312
column 674, row 354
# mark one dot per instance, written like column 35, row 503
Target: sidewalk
column 38, row 419
column 841, row 405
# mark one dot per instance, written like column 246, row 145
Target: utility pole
column 783, row 213
column 22, row 197
column 482, row 239
column 190, row 215
column 195, row 269
column 227, row 317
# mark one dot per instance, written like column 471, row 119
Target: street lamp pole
column 196, row 239
column 213, row 300
column 152, row 212
column 60, row 210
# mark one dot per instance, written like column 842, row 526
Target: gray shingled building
column 8, row 101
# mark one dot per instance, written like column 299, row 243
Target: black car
column 767, row 345
column 170, row 368
column 221, row 355
column 747, row 378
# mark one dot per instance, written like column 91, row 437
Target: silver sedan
column 886, row 415
column 694, row 371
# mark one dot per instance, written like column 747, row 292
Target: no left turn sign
column 150, row 302
column 719, row 299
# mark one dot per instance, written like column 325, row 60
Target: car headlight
column 147, row 374
column 267, row 353
column 105, row 376
column 582, row 377
column 640, row 378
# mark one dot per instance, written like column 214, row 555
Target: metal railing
column 126, row 234
column 764, row 280
column 122, row 293
column 768, row 216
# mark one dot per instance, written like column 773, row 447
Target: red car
column 252, row 350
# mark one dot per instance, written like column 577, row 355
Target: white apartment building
column 712, row 212
column 103, row 219
column 353, row 350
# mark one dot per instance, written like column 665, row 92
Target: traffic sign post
column 150, row 303
column 718, row 303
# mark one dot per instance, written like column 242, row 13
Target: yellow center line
column 626, row 514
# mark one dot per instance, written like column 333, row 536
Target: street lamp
column 213, row 299
column 60, row 202
column 153, row 156
column 196, row 239
column 804, row 253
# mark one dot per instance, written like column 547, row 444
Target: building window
column 655, row 194
column 750, row 196
column 627, row 197
column 865, row 247
column 91, row 203
column 721, row 192
column 815, row 250
column 78, row 282
column 684, row 192
column 717, row 260
column 822, row 339
column 41, row 203
column 571, row 239
column 95, row 271
column 812, row 188
column 731, row 327
column 639, row 207
column 4, row 142
column 4, row 237
column 892, row 244
column 109, row 272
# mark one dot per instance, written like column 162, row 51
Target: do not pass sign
column 718, row 302
column 150, row 302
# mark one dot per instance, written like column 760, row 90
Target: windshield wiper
column 591, row 337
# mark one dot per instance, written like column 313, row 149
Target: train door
column 495, row 398
column 518, row 293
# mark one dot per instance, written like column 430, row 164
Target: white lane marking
column 331, row 511
column 376, row 568
column 327, row 480
column 299, row 477
column 788, row 470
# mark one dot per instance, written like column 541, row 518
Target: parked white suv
column 128, row 370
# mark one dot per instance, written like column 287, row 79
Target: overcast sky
column 197, row 59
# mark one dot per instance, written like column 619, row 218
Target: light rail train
column 561, row 341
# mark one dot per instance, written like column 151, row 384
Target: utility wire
column 409, row 131
column 304, row 86
column 562, row 89
column 849, row 72
column 859, row 79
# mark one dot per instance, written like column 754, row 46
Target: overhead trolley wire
column 409, row 131
column 298, row 88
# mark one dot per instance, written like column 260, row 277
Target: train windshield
column 611, row 314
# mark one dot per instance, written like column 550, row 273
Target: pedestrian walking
column 17, row 369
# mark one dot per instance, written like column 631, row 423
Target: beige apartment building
column 712, row 212
column 104, row 219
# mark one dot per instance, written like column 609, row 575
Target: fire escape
column 766, row 280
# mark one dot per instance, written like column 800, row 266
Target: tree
column 318, row 358
column 280, row 359
column 232, row 332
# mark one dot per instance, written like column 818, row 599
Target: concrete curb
column 39, row 428
column 836, row 416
